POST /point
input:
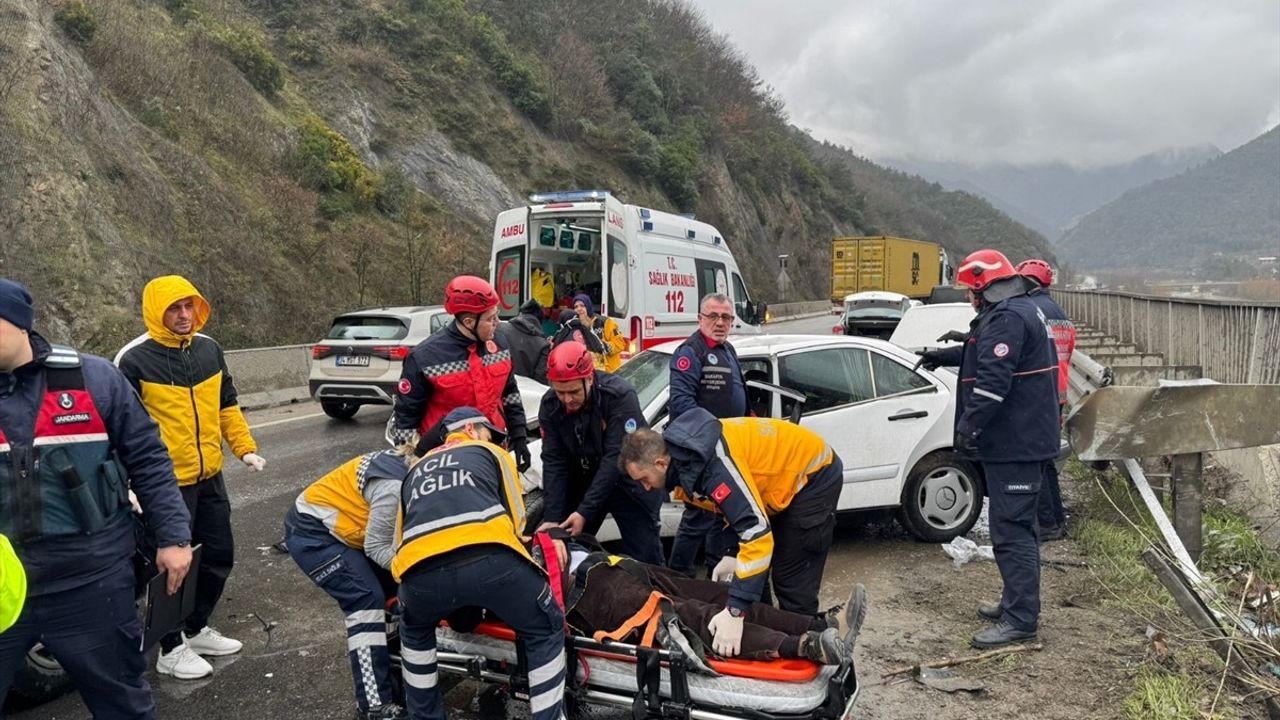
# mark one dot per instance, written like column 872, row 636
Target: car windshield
column 367, row 327
column 648, row 373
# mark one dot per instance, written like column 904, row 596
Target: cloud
column 1086, row 82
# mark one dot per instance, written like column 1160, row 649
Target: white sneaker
column 182, row 663
column 212, row 643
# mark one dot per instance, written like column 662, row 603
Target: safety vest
column 338, row 500
column 13, row 585
column 67, row 482
column 465, row 492
column 780, row 456
column 473, row 380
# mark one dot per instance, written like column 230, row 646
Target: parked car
column 358, row 361
column 921, row 327
column 890, row 423
column 872, row 314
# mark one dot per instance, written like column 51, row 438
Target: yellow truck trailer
column 892, row 264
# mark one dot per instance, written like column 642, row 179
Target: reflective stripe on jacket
column 465, row 492
column 338, row 499
column 185, row 385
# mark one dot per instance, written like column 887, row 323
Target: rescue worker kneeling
column 462, row 516
column 341, row 532
column 775, row 483
column 608, row 597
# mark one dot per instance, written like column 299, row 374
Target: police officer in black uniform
column 705, row 373
column 1006, row 418
column 71, row 431
column 584, row 417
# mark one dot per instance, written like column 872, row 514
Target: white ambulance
column 644, row 268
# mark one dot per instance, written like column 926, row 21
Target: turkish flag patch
column 720, row 493
column 405, row 386
column 682, row 363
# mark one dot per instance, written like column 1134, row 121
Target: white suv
column 359, row 360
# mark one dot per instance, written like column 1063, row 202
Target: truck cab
column 645, row 268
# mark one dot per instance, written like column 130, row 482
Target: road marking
column 286, row 420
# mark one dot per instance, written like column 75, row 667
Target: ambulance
column 645, row 268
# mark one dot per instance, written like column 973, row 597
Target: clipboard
column 163, row 613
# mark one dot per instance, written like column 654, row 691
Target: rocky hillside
column 1225, row 211
column 296, row 159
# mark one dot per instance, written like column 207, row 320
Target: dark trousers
column 361, row 588
column 802, row 536
column 1012, row 489
column 701, row 528
column 95, row 634
column 1049, row 511
column 210, row 510
column 637, row 518
column 505, row 584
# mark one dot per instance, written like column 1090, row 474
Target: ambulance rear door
column 509, row 266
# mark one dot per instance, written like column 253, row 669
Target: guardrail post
column 1188, row 502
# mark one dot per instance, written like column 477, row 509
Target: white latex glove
column 724, row 570
column 255, row 461
column 133, row 502
column 726, row 633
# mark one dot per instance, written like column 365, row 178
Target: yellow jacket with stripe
column 613, row 340
column 465, row 492
column 184, row 384
column 359, row 502
column 747, row 469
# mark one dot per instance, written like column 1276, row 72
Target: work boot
column 824, row 648
column 1052, row 534
column 1002, row 633
column 383, row 712
column 183, row 663
column 855, row 612
column 992, row 613
column 211, row 643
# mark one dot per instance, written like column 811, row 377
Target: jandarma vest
column 67, row 482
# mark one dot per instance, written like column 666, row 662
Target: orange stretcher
column 659, row 683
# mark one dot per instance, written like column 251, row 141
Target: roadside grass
column 1180, row 676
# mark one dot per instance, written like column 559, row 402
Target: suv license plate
column 352, row 361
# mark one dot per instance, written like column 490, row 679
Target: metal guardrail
column 1232, row 341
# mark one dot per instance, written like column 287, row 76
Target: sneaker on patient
column 825, row 648
column 212, row 643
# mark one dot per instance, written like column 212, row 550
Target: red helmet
column 1037, row 270
column 469, row 294
column 982, row 268
column 570, row 360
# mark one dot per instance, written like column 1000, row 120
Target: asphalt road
column 294, row 662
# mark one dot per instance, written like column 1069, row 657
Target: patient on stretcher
column 607, row 597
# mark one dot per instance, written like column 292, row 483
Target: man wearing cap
column 181, row 376
column 463, row 515
column 529, row 347
column 71, row 432
column 584, row 418
column 606, row 328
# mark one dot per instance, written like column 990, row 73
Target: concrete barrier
column 787, row 311
column 270, row 376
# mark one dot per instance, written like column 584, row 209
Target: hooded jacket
column 184, row 383
column 612, row 342
column 529, row 347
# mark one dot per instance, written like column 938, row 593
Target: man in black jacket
column 584, row 418
column 71, row 431
column 529, row 347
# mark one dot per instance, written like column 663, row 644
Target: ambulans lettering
column 513, row 230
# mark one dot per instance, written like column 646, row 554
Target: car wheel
column 942, row 497
column 339, row 410
column 39, row 680
column 534, row 504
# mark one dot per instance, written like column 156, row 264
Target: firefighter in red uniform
column 1050, row 514
column 465, row 364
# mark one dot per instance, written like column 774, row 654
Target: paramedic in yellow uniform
column 776, row 485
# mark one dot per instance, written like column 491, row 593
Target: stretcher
column 658, row 683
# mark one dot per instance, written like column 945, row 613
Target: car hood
column 920, row 327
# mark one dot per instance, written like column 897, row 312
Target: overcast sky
column 1086, row 82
